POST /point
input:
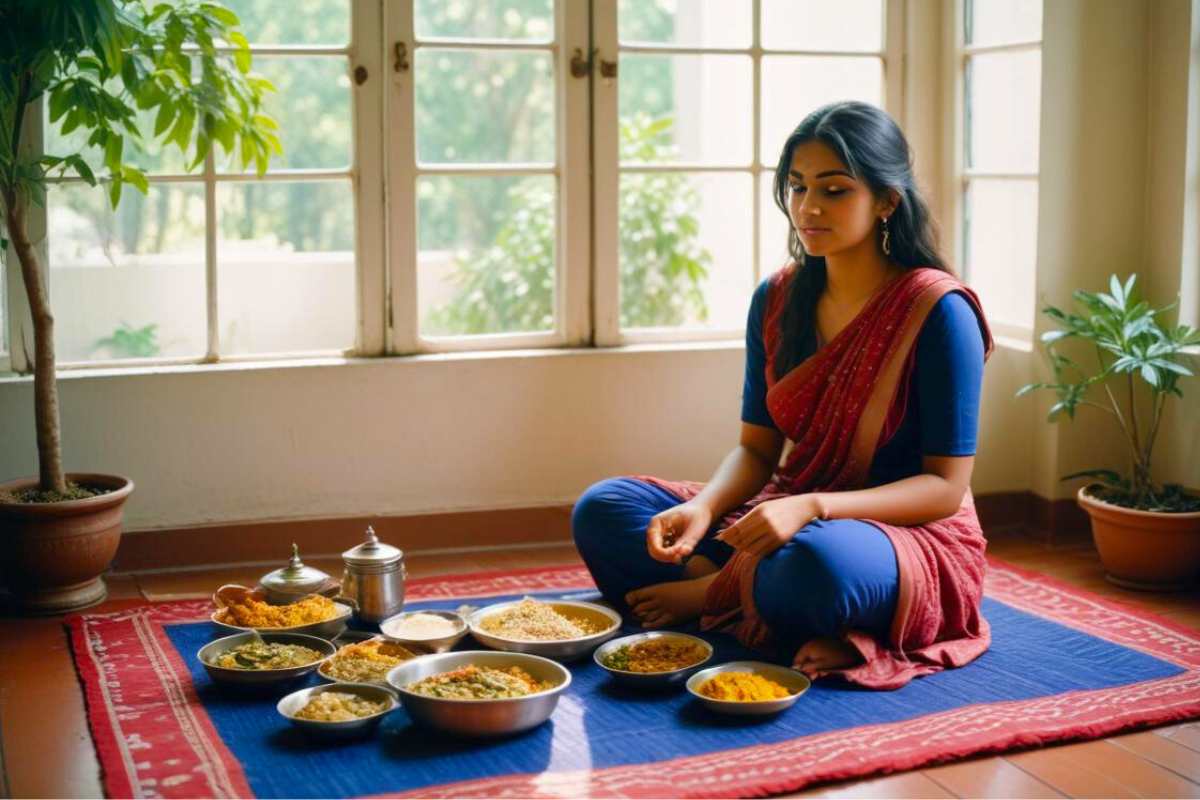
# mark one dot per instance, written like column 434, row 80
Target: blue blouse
column 942, row 415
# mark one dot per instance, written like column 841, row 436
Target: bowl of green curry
column 253, row 659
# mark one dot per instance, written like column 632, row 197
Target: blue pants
column 833, row 576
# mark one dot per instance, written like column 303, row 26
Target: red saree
column 836, row 409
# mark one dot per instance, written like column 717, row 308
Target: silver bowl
column 562, row 649
column 651, row 680
column 795, row 682
column 327, row 629
column 357, row 637
column 290, row 705
column 261, row 677
column 480, row 717
column 437, row 645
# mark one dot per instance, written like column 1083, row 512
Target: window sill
column 83, row 373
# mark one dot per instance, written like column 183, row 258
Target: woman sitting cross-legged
column 842, row 526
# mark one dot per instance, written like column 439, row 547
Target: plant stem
column 45, row 389
column 1138, row 487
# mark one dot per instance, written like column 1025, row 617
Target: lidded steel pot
column 373, row 580
column 290, row 583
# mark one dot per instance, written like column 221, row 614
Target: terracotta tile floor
column 46, row 750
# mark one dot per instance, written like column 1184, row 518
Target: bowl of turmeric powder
column 748, row 687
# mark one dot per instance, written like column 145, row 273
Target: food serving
column 364, row 662
column 259, row 655
column 249, row 611
column 532, row 620
column 339, row 707
column 742, row 687
column 419, row 626
column 473, row 682
column 662, row 654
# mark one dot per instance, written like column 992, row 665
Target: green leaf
column 164, row 118
column 1050, row 337
column 114, row 191
column 224, row 15
column 136, row 177
column 82, row 169
column 1118, row 292
column 1150, row 375
column 114, row 148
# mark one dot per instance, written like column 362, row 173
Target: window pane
column 479, row 107
column 485, row 254
column 1000, row 229
column 149, row 155
column 685, row 249
column 794, row 86
column 285, row 267
column 712, row 23
column 853, row 25
column 995, row 21
column 293, row 21
column 522, row 20
column 1003, row 101
column 128, row 284
column 313, row 109
column 696, row 109
column 773, row 229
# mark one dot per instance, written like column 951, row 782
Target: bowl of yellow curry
column 254, row 659
column 748, row 687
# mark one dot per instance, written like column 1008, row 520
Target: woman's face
column 830, row 210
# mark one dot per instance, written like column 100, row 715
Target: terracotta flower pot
column 52, row 554
column 1150, row 550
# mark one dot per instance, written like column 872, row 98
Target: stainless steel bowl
column 289, row 706
column 261, row 677
column 561, row 649
column 651, row 680
column 480, row 717
column 436, row 645
column 327, row 629
column 795, row 682
column 357, row 637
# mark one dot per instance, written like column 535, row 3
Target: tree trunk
column 45, row 389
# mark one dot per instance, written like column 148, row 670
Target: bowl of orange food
column 365, row 661
column 243, row 609
column 748, row 688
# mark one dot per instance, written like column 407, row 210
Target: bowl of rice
column 655, row 660
column 560, row 629
column 748, row 687
column 338, row 710
column 431, row 631
column 480, row 693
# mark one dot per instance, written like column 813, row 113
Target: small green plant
column 1132, row 350
column 130, row 342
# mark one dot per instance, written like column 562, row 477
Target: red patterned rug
column 1065, row 664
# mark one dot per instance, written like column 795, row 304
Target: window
column 1001, row 100
column 217, row 263
column 687, row 142
column 465, row 174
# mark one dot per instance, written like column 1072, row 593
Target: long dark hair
column 874, row 150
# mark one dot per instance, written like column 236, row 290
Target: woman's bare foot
column 822, row 655
column 669, row 603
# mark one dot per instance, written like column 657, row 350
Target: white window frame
column 570, row 172
column 364, row 173
column 607, row 168
column 960, row 177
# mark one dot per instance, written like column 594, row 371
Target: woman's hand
column 770, row 525
column 673, row 534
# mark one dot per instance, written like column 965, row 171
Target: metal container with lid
column 373, row 580
column 290, row 583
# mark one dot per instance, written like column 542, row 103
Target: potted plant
column 98, row 63
column 1147, row 534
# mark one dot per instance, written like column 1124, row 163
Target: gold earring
column 887, row 238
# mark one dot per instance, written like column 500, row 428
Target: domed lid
column 372, row 552
column 296, row 577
